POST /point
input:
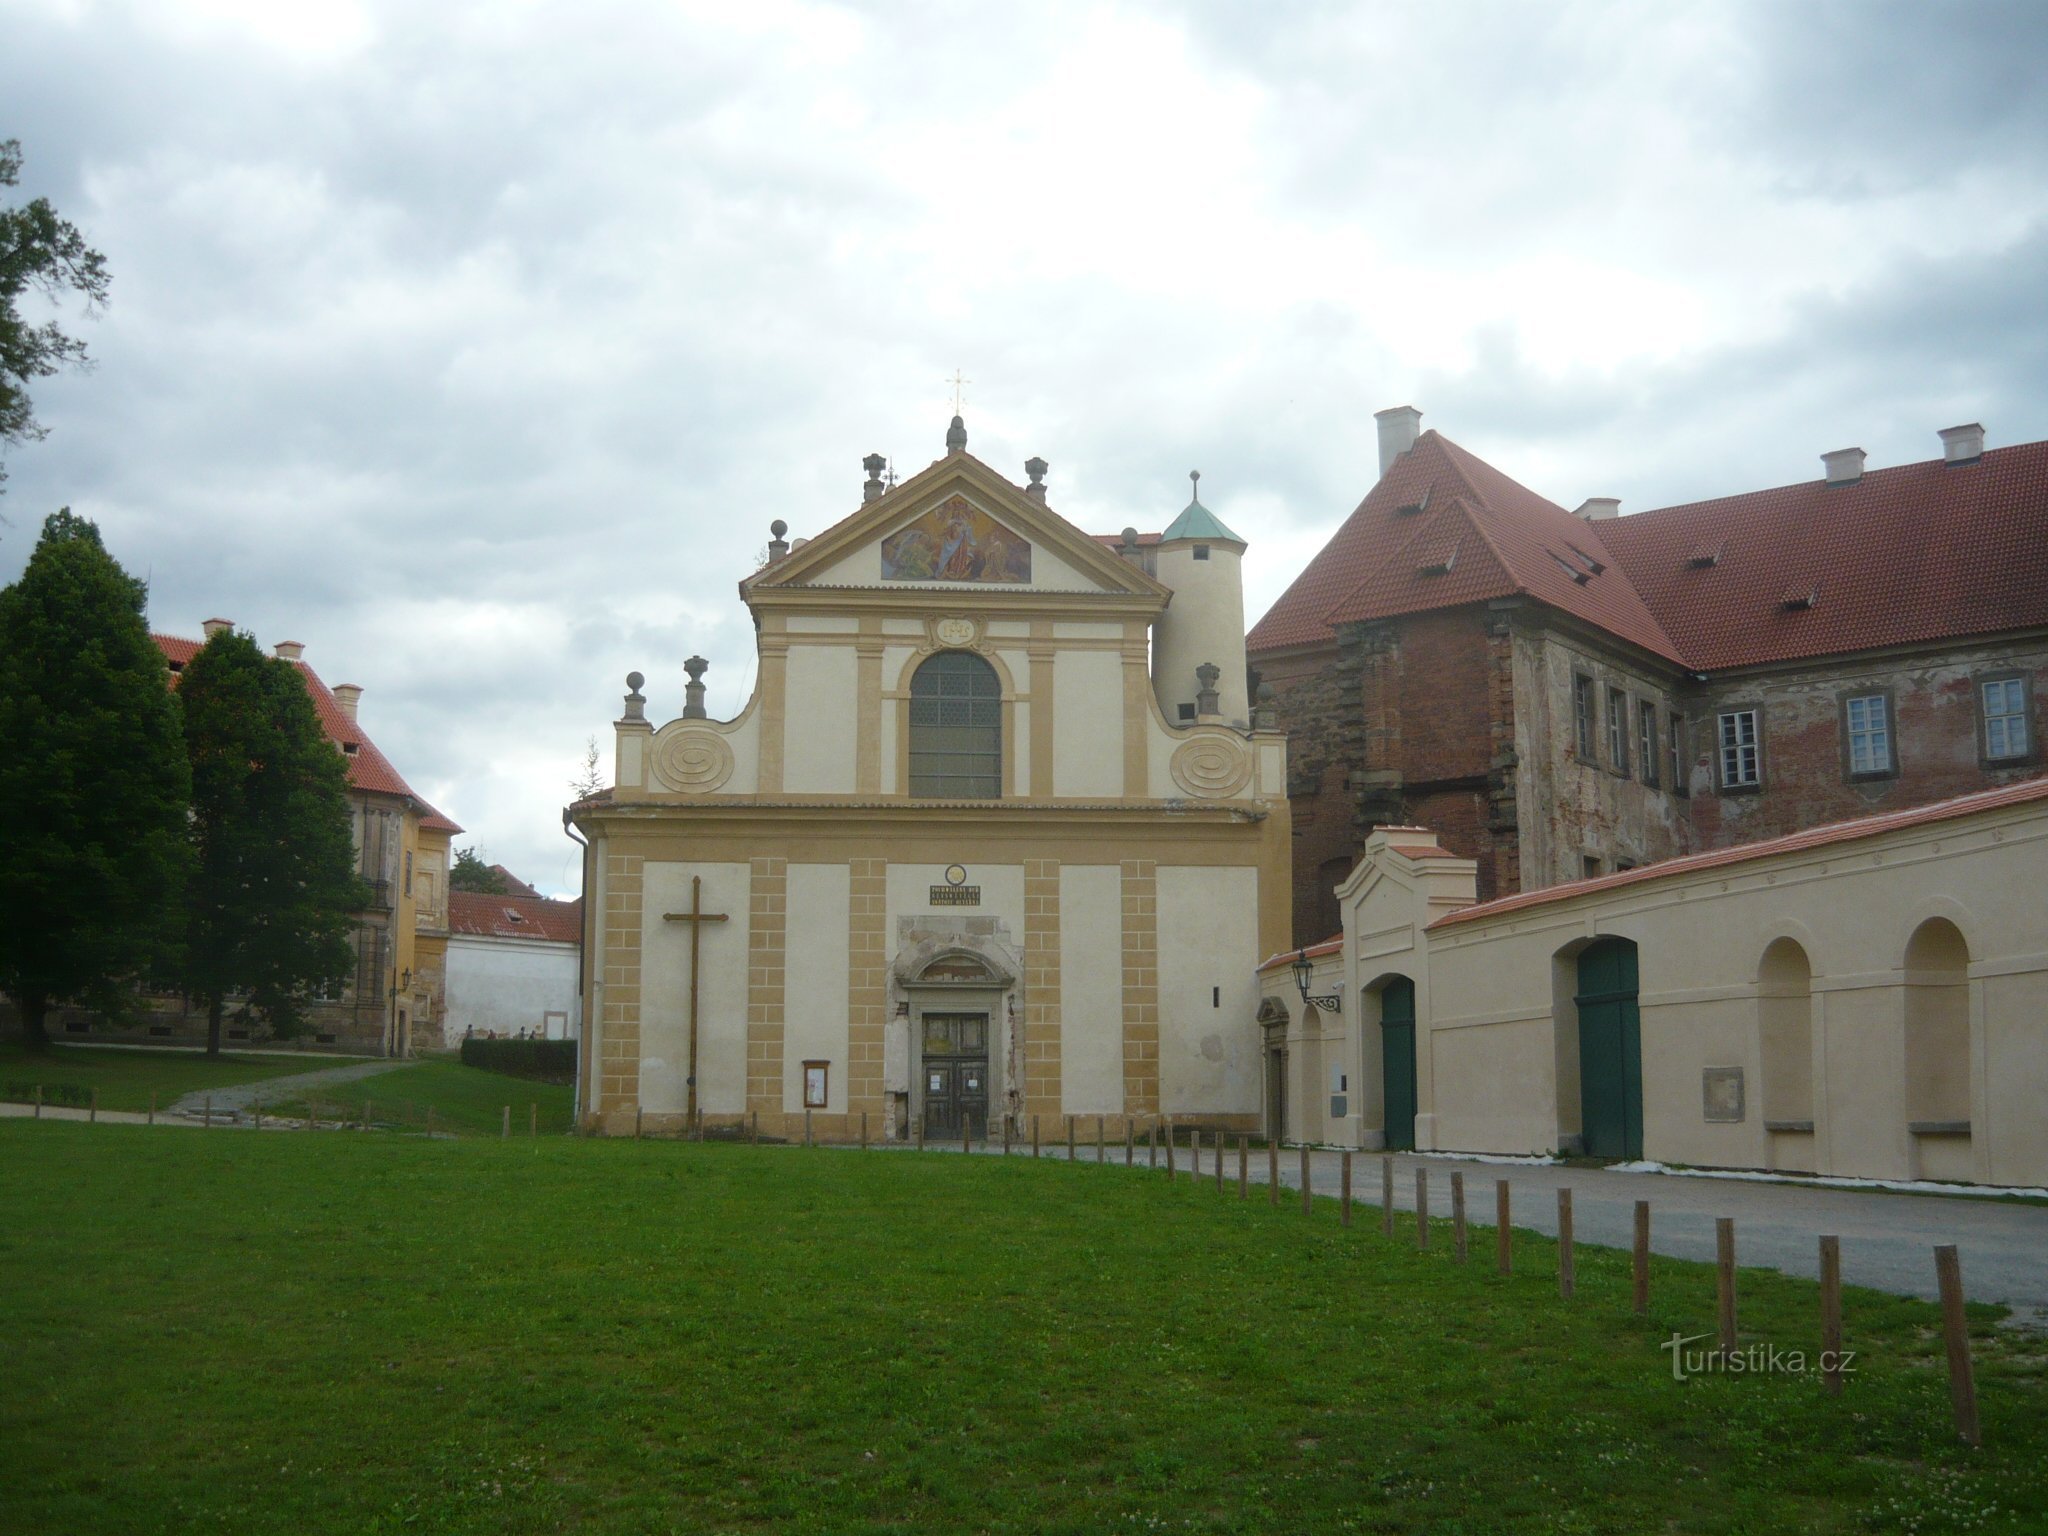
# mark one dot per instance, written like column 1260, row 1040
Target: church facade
column 998, row 836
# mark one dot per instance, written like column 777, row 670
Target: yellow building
column 397, row 996
column 963, row 856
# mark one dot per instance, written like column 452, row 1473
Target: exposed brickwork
column 619, row 1066
column 768, row 909
column 1042, row 987
column 1141, row 987
column 867, row 987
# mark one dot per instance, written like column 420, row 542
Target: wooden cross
column 696, row 917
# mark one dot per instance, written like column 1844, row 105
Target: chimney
column 1844, row 465
column 346, row 696
column 871, row 488
column 1599, row 509
column 1034, row 470
column 216, row 626
column 1400, row 425
column 290, row 650
column 1964, row 444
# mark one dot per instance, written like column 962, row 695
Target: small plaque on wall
column 956, row 895
column 1721, row 1093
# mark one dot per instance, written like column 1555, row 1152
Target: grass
column 329, row 1333
column 465, row 1100
column 126, row 1078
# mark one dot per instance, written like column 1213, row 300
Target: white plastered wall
column 508, row 985
column 1208, row 990
column 1087, row 733
column 721, row 998
column 815, row 981
column 1091, row 989
column 820, row 716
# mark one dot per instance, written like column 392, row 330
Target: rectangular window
column 1646, row 739
column 1741, row 758
column 1589, row 866
column 1617, row 729
column 1867, row 722
column 1582, row 714
column 2005, row 719
column 408, row 871
column 1675, row 740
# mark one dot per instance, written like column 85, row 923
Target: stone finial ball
column 634, row 680
column 778, row 528
column 1131, row 536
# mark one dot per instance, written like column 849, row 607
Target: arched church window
column 956, row 729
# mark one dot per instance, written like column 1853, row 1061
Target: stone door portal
column 955, row 1066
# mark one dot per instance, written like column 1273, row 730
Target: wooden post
column 1244, row 1167
column 1006, row 1135
column 1152, row 1145
column 1724, row 1278
column 1130, row 1143
column 1344, row 1195
column 257, row 1105
column 1220, row 1138
column 1098, row 1138
column 1386, row 1196
column 1034, row 1135
column 532, row 1118
column 1308, row 1192
column 755, row 1135
column 1070, row 1138
column 807, row 1127
column 1503, row 1234
column 505, row 1124
column 152, row 1106
column 1422, row 1208
column 636, row 1122
column 863, row 1130
column 1831, row 1315
column 1642, row 1257
column 430, row 1122
column 1567, row 1276
column 1169, row 1152
column 1458, row 1216
column 39, row 1101
column 967, row 1133
column 1962, row 1385
column 366, row 1113
column 92, row 1115
column 1273, row 1171
column 697, row 1116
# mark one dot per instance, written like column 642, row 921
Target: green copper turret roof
column 1198, row 522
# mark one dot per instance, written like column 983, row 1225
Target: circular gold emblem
column 956, row 874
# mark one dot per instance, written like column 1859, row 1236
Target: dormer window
column 1577, row 573
column 1421, row 504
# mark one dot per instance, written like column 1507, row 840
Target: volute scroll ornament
column 690, row 759
column 1211, row 767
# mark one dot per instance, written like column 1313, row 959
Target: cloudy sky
column 476, row 345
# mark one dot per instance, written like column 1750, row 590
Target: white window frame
column 1646, row 739
column 1585, row 722
column 2007, row 720
column 1741, row 756
column 1867, row 726
column 1617, row 730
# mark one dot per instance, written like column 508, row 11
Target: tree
column 589, row 778
column 275, row 884
column 471, row 873
column 93, row 782
column 38, row 250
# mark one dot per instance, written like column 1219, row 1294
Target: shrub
column 540, row 1061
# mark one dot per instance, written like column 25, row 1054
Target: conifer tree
column 93, row 783
column 274, row 883
column 471, row 873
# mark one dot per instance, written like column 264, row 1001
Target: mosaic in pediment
column 956, row 541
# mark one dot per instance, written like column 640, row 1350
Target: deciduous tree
column 93, row 782
column 275, row 884
column 471, row 873
column 40, row 251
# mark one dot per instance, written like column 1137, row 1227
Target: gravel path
column 242, row 1095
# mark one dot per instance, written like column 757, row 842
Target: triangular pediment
column 957, row 526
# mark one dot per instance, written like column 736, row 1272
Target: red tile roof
column 481, row 915
column 1329, row 946
column 514, row 886
column 1813, row 837
column 1442, row 529
column 1918, row 552
column 1924, row 551
column 368, row 769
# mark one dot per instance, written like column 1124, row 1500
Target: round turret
column 1202, row 560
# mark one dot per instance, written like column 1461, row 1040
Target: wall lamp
column 1303, row 967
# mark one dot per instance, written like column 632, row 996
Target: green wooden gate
column 1397, row 1063
column 1610, row 1051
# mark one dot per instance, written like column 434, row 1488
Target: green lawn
column 125, row 1078
column 465, row 1100
column 329, row 1333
